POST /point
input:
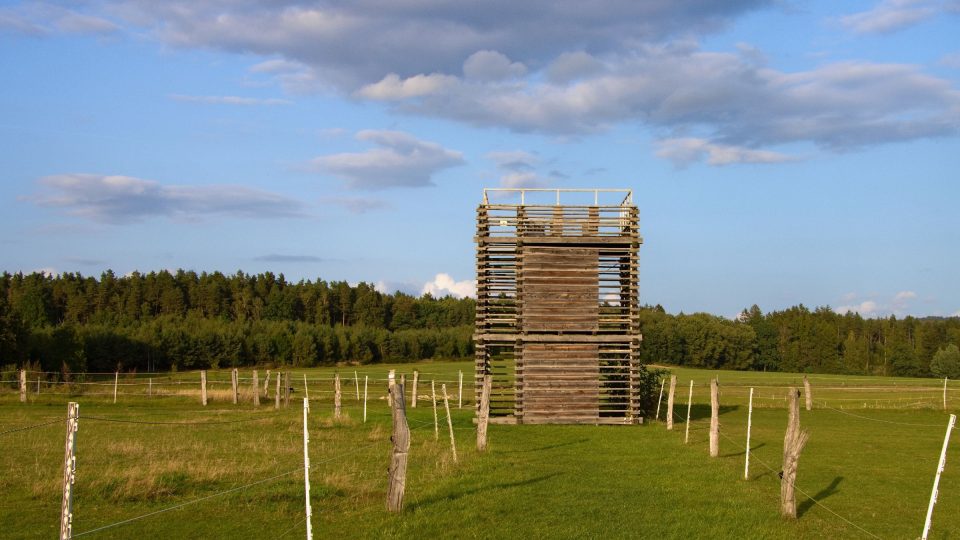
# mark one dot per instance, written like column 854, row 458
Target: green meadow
column 158, row 464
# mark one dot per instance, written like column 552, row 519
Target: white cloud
column 688, row 150
column 522, row 180
column 571, row 66
column 122, row 199
column 889, row 16
column 491, row 66
column 392, row 88
column 230, row 100
column 356, row 205
column 866, row 308
column 444, row 284
column 904, row 296
column 401, row 160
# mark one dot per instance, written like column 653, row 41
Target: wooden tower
column 557, row 322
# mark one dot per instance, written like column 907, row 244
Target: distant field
column 870, row 463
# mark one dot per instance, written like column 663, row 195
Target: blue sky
column 780, row 152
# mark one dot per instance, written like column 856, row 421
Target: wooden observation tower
column 557, row 322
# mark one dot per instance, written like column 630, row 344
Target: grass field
column 869, row 464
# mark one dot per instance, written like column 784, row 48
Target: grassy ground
column 871, row 464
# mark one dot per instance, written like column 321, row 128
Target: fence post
column 714, row 418
column 256, row 388
column 746, row 461
column 234, row 380
column 686, row 437
column 69, row 471
column 433, row 399
column 203, row 387
column 38, row 383
column 286, row 388
column 391, row 382
column 807, row 394
column 401, row 447
column 277, row 396
column 446, row 405
column 306, row 391
column 945, row 393
column 413, row 391
column 936, row 479
column 660, row 399
column 365, row 381
column 266, row 385
column 23, row 386
column 793, row 442
column 460, row 392
column 670, row 400
column 116, row 379
column 356, row 381
column 306, row 467
column 336, row 395
column 484, row 413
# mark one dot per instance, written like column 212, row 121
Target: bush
column 946, row 362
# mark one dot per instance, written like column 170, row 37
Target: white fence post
column 365, row 381
column 116, row 379
column 306, row 467
column 203, row 388
column 686, row 437
column 936, row 480
column 945, row 393
column 69, row 471
column 356, row 382
column 746, row 461
column 660, row 399
column 460, row 392
column 23, row 386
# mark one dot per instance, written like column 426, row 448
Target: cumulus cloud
column 124, row 199
column 38, row 18
column 444, row 285
column 230, row 100
column 685, row 151
column 889, row 16
column 392, row 88
column 571, row 66
column 491, row 66
column 899, row 304
column 401, row 160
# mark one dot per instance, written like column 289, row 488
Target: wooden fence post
column 266, row 386
column 945, row 393
column 714, row 418
column 286, row 388
column 660, row 399
column 686, row 437
column 336, row 395
column 203, row 387
column 256, row 388
column 356, row 381
column 746, row 460
column 69, row 471
column 365, row 381
column 936, row 480
column 446, row 405
column 433, row 399
column 484, row 413
column 234, row 381
column 23, row 386
column 277, row 396
column 306, row 467
column 460, row 392
column 150, row 387
column 670, row 400
column 116, row 381
column 793, row 442
column 401, row 448
column 413, row 391
column 391, row 382
column 807, row 394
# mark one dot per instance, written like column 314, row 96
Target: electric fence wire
column 34, row 426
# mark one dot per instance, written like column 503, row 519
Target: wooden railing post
column 793, row 442
column 483, row 413
column 670, row 401
column 69, row 471
column 714, row 418
column 401, row 448
column 336, row 396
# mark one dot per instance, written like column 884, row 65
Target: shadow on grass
column 464, row 493
column 752, row 448
column 819, row 496
column 542, row 448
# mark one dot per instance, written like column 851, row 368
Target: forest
column 163, row 321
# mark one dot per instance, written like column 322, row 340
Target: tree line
column 183, row 320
